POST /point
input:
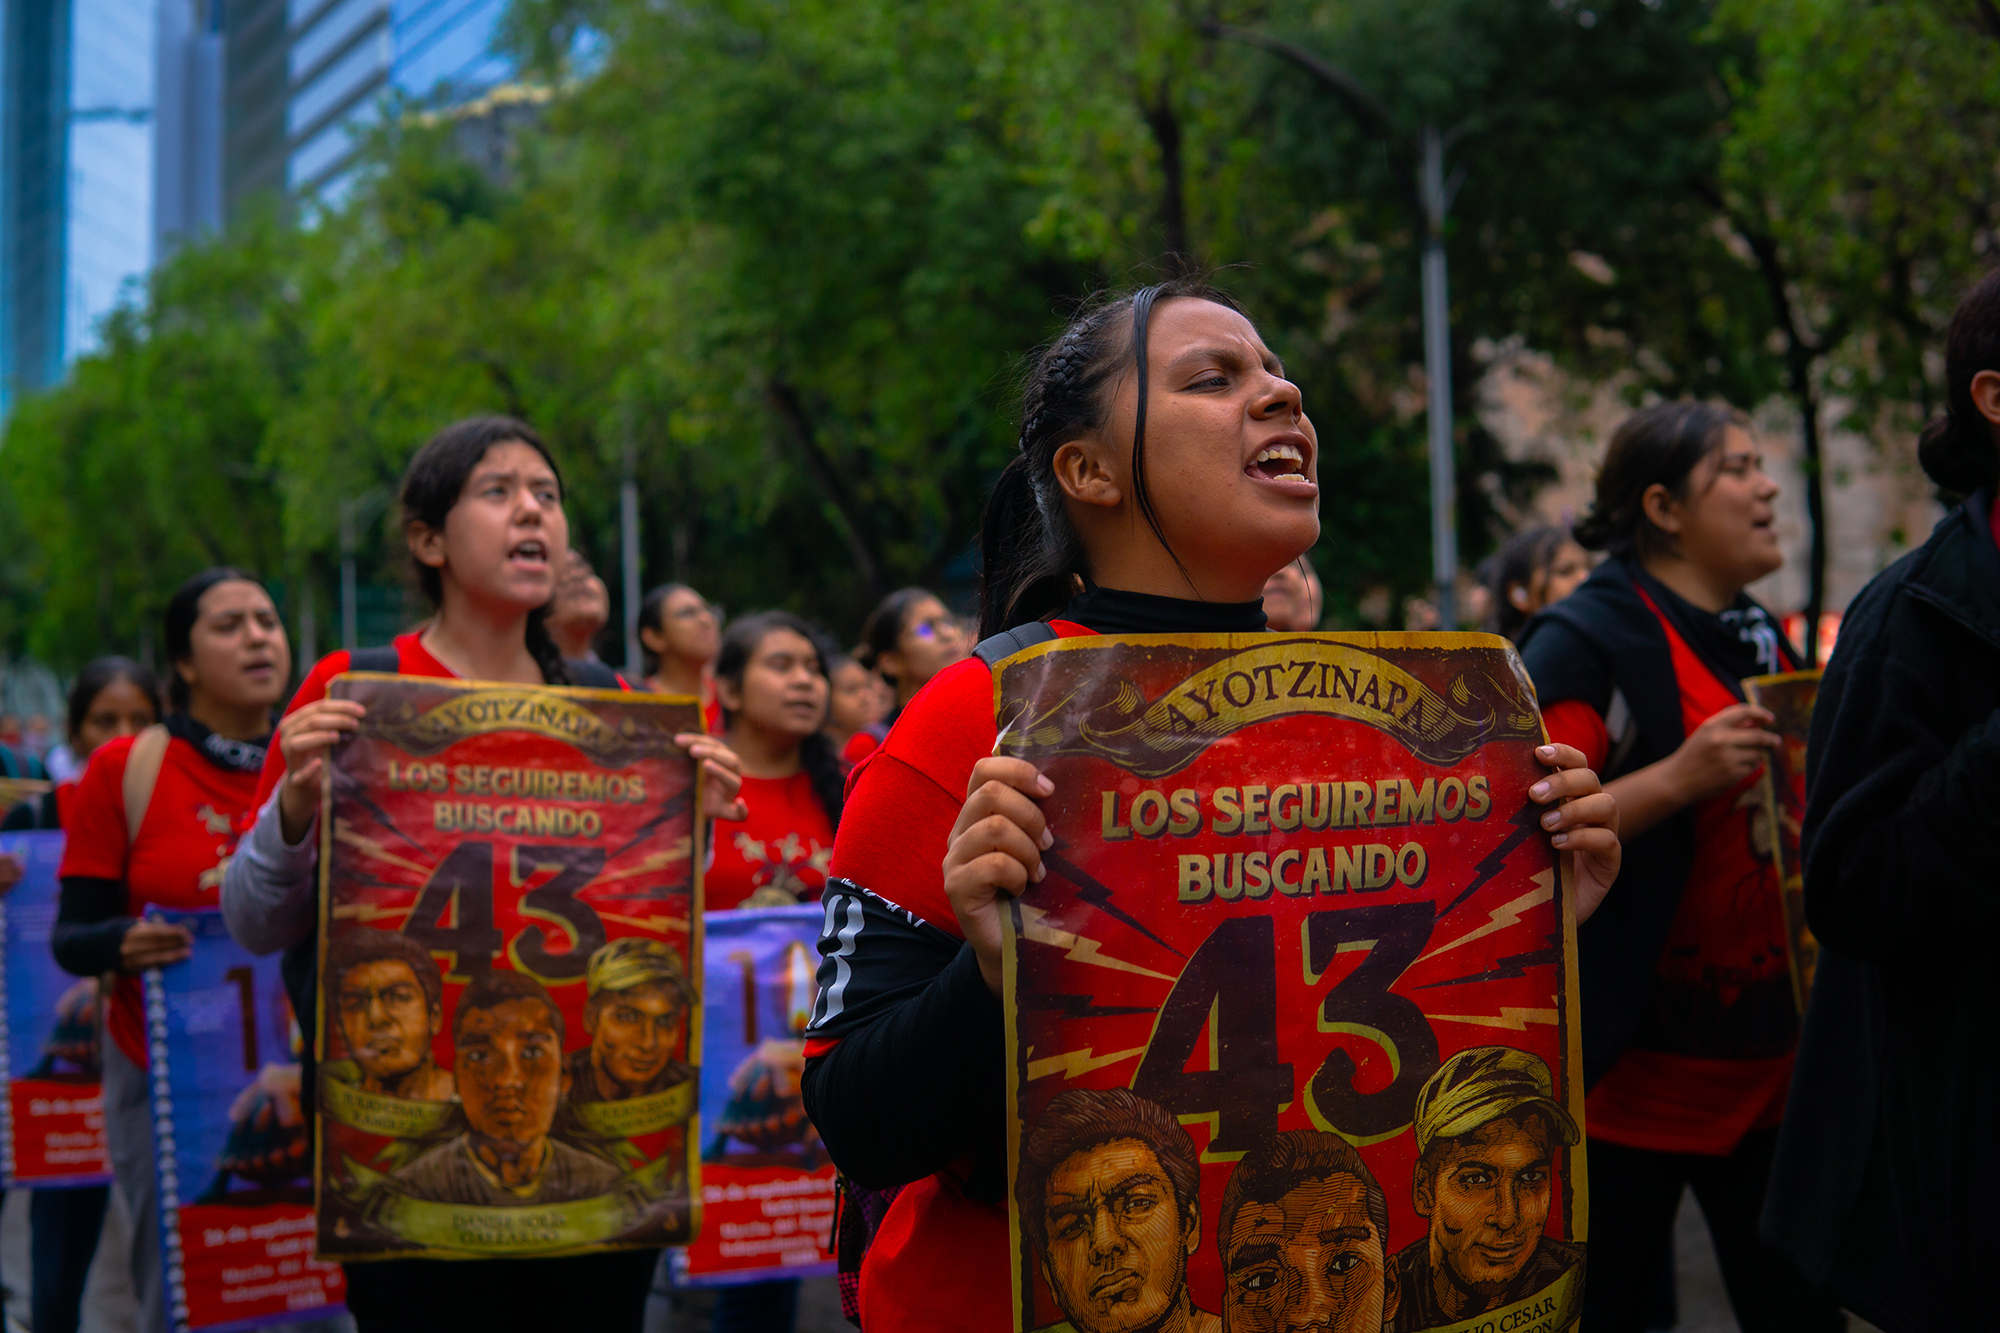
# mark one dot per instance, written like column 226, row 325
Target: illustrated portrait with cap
column 636, row 1015
column 1488, row 1128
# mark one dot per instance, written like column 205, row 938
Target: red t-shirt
column 859, row 746
column 786, row 841
column 1727, row 935
column 936, row 1250
column 198, row 811
column 411, row 660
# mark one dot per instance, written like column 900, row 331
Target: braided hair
column 431, row 487
column 1030, row 552
column 816, row 754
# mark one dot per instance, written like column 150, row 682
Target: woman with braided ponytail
column 1166, row 469
column 483, row 517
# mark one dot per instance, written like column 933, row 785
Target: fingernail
column 1546, row 751
column 1048, row 840
column 1560, row 840
column 1040, row 871
column 1539, row 790
column 1551, row 819
column 1044, row 786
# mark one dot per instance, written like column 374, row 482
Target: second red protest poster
column 1292, row 1018
column 510, row 1022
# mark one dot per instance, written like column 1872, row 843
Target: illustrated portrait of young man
column 1488, row 1127
column 388, row 999
column 507, row 1036
column 1110, row 1193
column 636, row 1015
column 1304, row 1240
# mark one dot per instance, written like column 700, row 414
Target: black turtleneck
column 918, row 1078
column 1116, row 611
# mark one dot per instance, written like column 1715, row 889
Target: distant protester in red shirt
column 771, row 678
column 154, row 821
column 857, row 699
column 483, row 517
column 1689, row 1025
column 907, row 639
column 679, row 630
column 1166, row 468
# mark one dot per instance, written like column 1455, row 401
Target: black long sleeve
column 90, row 925
column 918, row 1080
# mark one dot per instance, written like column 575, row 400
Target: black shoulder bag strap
column 384, row 659
column 592, row 675
column 1010, row 641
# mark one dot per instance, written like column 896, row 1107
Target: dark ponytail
column 1030, row 555
column 433, row 484
column 816, row 752
column 1655, row 446
column 1958, row 450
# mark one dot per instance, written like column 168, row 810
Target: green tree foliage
column 788, row 258
column 149, row 463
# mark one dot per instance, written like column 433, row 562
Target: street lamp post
column 1437, row 382
column 628, row 544
column 1430, row 196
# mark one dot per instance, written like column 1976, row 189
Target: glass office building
column 346, row 54
column 75, row 176
column 127, row 126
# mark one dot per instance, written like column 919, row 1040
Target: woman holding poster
column 483, row 515
column 1689, row 1019
column 113, row 697
column 1166, row 469
column 153, row 823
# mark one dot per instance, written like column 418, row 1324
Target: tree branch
column 1166, row 128
column 784, row 400
column 1360, row 103
column 1989, row 17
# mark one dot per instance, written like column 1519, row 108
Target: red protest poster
column 1790, row 698
column 509, row 1015
column 1291, row 1020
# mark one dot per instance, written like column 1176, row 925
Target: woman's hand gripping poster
column 1292, row 1017
column 509, row 999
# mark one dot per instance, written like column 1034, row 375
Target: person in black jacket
column 1883, row 1173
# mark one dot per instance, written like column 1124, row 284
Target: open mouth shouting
column 1284, row 464
column 531, row 552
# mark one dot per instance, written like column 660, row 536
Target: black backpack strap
column 1010, row 641
column 592, row 675
column 384, row 659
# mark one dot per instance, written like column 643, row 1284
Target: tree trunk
column 1800, row 355
column 1815, row 473
column 785, row 400
column 1166, row 128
